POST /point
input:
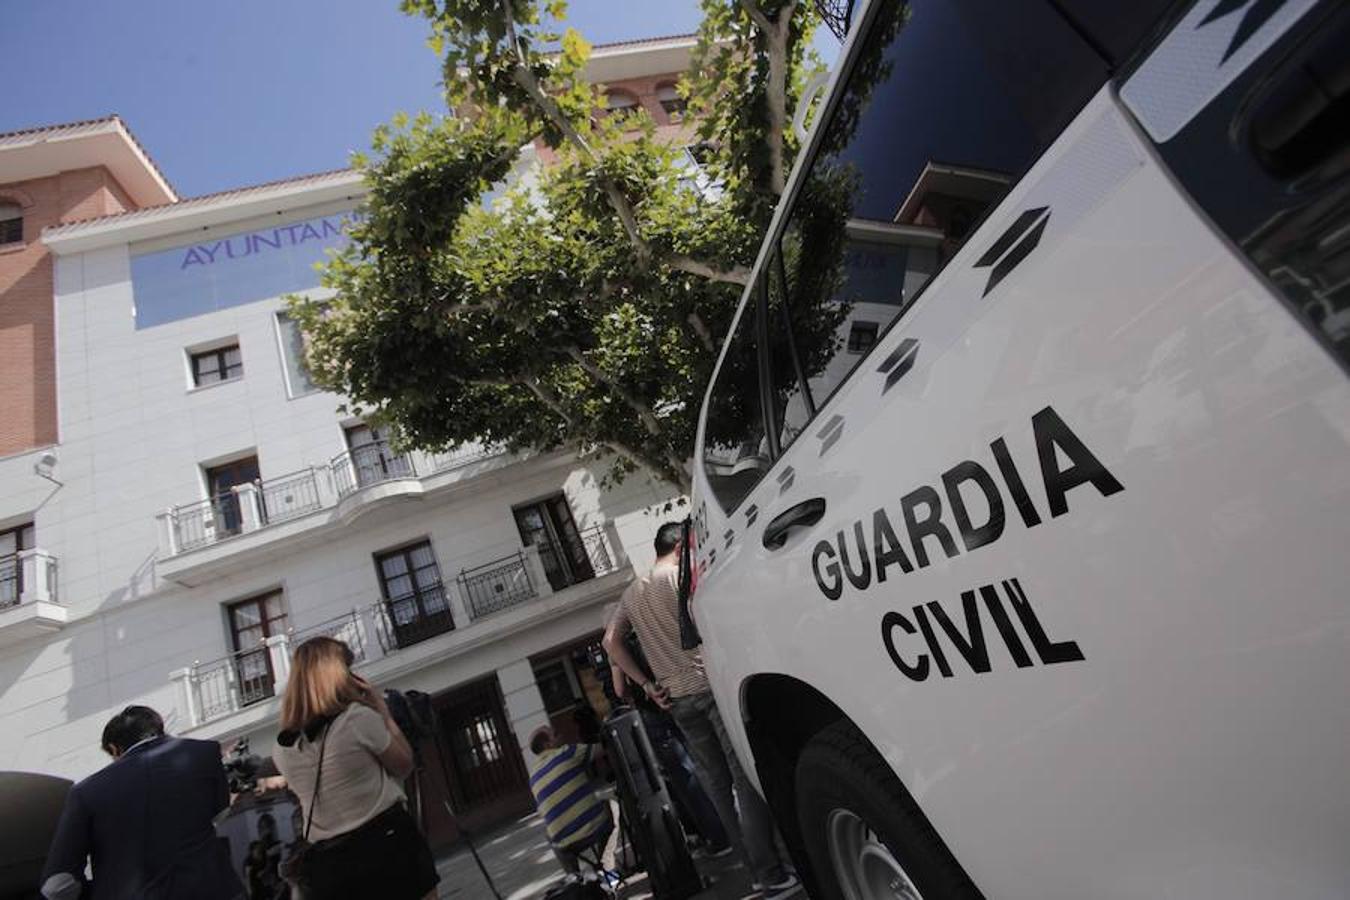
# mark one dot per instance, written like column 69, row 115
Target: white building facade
column 206, row 508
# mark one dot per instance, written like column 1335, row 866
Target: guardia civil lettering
column 899, row 540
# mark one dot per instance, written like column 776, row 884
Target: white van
column 1023, row 485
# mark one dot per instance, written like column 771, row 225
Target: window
column 620, row 103
column 13, row 540
column 216, row 365
column 11, row 223
column 904, row 175
column 947, row 103
column 223, row 501
column 548, row 525
column 671, row 101
column 293, row 347
column 414, row 598
column 861, row 336
column 252, row 622
column 373, row 457
column 735, row 446
column 557, row 685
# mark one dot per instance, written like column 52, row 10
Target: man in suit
column 144, row 821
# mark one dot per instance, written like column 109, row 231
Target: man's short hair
column 131, row 726
column 540, row 740
column 668, row 537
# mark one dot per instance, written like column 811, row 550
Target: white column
column 279, row 653
column 187, row 694
column 249, row 499
column 371, row 643
column 524, row 704
column 168, row 536
column 535, row 566
column 35, row 567
column 459, row 604
column 614, row 544
column 323, row 485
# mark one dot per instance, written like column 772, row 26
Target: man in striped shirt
column 576, row 819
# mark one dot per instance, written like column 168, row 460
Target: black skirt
column 385, row 858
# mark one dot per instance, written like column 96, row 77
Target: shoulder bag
column 297, row 868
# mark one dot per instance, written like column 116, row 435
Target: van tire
column 839, row 773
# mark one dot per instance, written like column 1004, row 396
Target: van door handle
column 804, row 514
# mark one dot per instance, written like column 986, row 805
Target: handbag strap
column 318, row 777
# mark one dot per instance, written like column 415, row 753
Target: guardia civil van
column 1022, row 492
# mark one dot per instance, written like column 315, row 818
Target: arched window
column 11, row 223
column 671, row 101
column 620, row 103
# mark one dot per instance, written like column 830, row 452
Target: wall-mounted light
column 45, row 465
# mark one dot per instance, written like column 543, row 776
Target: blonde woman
column 345, row 758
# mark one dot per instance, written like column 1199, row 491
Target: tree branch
column 735, row 275
column 547, row 397
column 757, row 15
column 776, row 33
column 675, row 476
column 696, row 322
column 643, row 410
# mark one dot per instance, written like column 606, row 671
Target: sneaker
column 785, row 886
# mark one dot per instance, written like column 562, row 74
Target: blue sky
column 226, row 94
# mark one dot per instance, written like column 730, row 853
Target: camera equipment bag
column 653, row 825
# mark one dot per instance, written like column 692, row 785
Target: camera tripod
column 432, row 729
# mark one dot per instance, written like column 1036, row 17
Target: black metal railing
column 586, row 556
column 369, row 464
column 233, row 682
column 207, row 521
column 11, row 580
column 602, row 556
column 497, row 585
column 413, row 618
column 289, row 496
column 461, row 456
column 345, row 628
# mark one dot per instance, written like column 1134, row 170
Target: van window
column 948, row 103
column 735, row 447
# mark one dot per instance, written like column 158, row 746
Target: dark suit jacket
column 145, row 822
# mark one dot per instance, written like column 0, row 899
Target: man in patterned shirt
column 576, row 819
column 651, row 607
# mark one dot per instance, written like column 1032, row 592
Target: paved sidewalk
column 523, row 868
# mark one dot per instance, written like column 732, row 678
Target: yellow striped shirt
column 561, row 784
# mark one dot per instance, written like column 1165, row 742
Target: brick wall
column 27, row 340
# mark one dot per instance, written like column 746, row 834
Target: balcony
column 484, row 602
column 369, row 464
column 497, row 585
column 247, row 507
column 28, row 599
column 201, row 539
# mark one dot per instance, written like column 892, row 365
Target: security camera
column 45, row 465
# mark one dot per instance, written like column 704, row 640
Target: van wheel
column 865, row 836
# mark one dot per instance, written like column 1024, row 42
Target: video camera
column 413, row 713
column 242, row 768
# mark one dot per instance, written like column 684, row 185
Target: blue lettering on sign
column 192, row 280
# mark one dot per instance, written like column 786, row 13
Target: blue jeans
column 682, row 778
column 751, row 832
